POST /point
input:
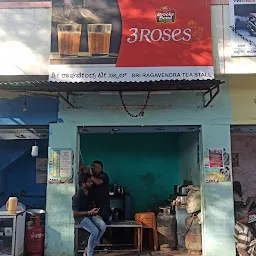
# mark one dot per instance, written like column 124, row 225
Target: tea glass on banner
column 69, row 36
column 99, row 39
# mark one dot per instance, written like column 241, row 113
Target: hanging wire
column 141, row 113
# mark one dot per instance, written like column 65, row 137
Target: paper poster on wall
column 60, row 165
column 226, row 157
column 243, row 27
column 41, row 170
column 206, row 157
column 65, row 163
column 217, row 165
column 215, row 175
column 216, row 158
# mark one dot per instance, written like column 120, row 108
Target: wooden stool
column 148, row 220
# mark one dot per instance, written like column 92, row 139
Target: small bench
column 117, row 224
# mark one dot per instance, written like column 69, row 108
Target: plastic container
column 11, row 205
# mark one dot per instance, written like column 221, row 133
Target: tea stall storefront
column 152, row 82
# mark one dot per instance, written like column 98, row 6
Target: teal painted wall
column 59, row 223
column 187, row 108
column 189, row 163
column 147, row 164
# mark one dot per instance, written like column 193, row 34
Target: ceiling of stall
column 137, row 129
column 24, row 132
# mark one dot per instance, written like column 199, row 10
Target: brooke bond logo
column 165, row 15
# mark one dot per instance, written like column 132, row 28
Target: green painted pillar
column 217, row 199
column 59, row 226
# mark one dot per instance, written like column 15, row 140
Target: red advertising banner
column 131, row 40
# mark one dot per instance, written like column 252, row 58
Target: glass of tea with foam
column 99, row 39
column 69, row 36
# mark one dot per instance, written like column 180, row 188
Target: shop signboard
column 243, row 27
column 217, row 165
column 130, row 41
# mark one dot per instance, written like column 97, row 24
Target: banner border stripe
column 219, row 2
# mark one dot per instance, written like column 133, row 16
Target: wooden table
column 117, row 224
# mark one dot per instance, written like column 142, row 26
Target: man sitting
column 245, row 241
column 85, row 216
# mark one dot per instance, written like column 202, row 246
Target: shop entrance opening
column 149, row 167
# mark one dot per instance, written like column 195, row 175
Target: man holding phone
column 86, row 216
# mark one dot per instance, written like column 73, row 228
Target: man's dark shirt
column 81, row 203
column 100, row 193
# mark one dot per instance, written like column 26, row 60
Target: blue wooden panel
column 18, row 172
column 41, row 110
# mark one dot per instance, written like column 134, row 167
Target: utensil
column 36, row 212
column 183, row 200
column 166, row 210
column 184, row 191
column 177, row 189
